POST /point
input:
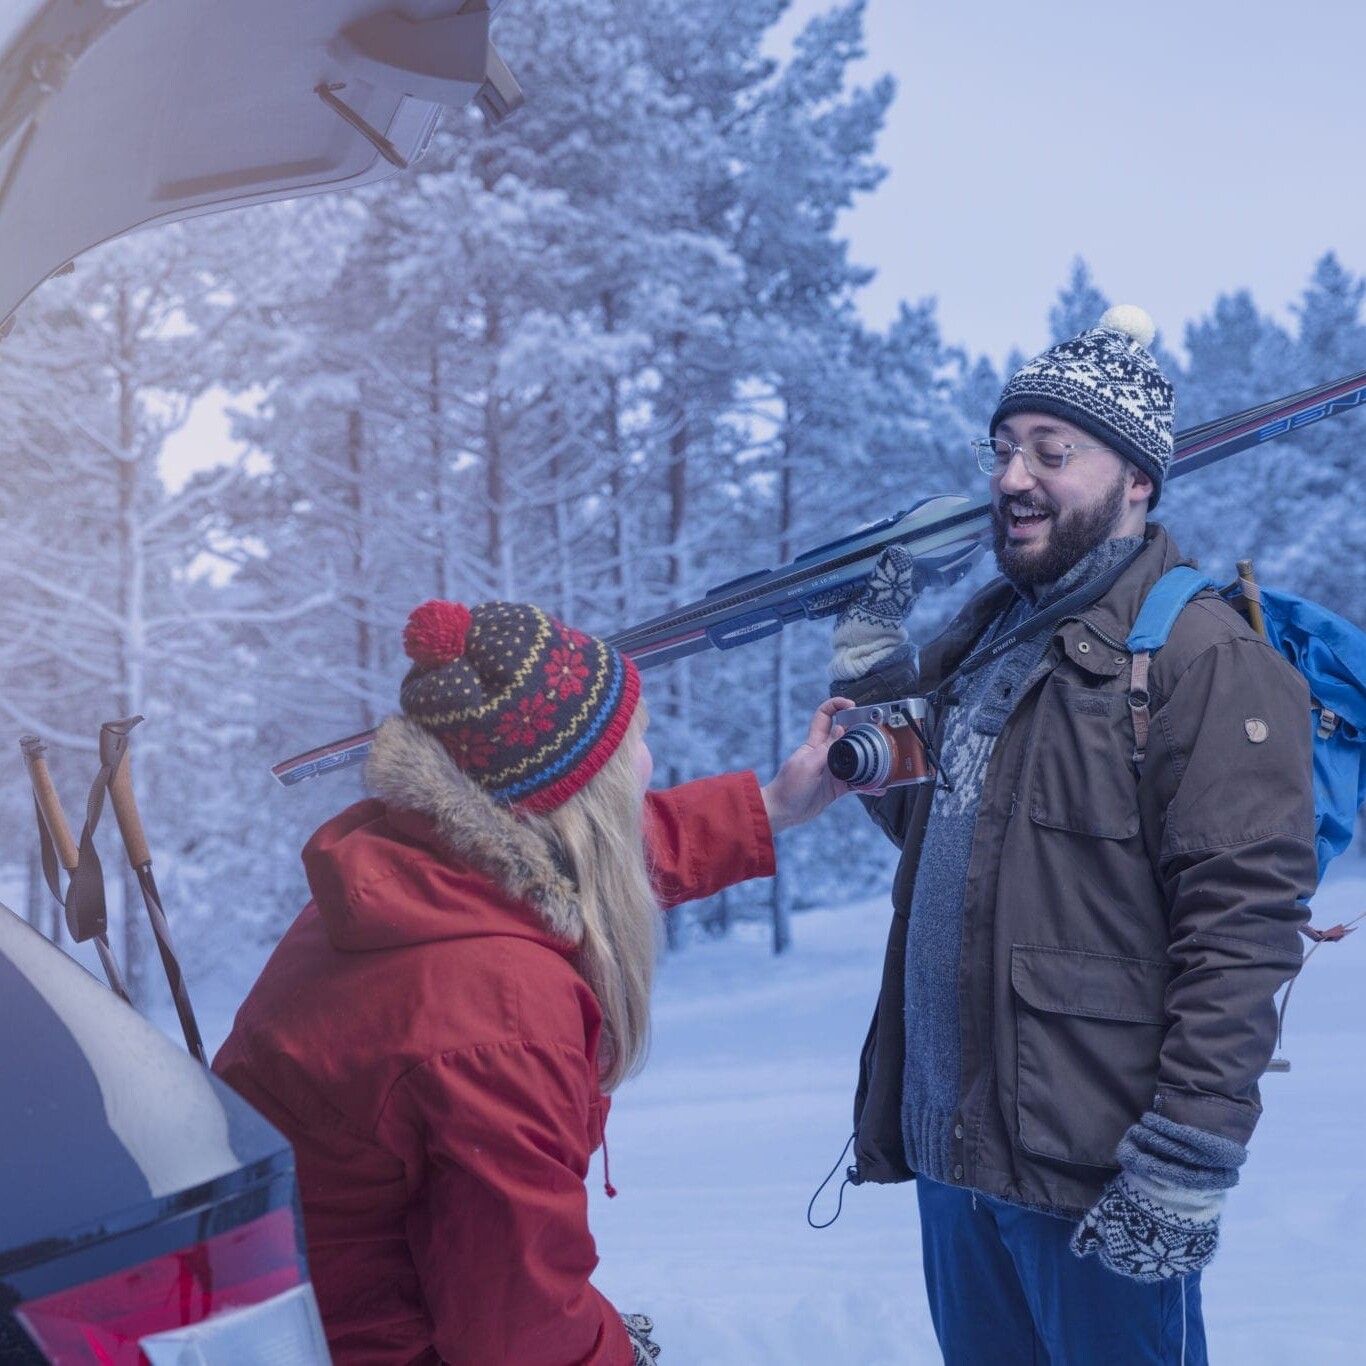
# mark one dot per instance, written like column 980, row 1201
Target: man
column 1077, row 996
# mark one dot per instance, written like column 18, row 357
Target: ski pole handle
column 126, row 813
column 1252, row 597
column 49, row 803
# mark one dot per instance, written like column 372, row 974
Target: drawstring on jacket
column 851, row 1178
column 606, row 1169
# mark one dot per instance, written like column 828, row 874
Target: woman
column 437, row 1029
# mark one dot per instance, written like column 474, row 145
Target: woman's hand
column 803, row 787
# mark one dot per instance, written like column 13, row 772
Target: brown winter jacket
column 1122, row 937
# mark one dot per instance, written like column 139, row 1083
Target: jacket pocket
column 1082, row 778
column 1089, row 1028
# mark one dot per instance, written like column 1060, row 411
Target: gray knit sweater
column 934, row 936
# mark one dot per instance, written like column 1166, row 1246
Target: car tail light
column 105, row 1322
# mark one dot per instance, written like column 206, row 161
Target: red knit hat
column 527, row 707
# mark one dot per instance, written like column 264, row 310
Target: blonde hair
column 599, row 832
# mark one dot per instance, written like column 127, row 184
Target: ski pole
column 85, row 916
column 114, row 753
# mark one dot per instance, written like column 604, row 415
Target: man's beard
column 1071, row 536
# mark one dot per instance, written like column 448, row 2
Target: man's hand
column 803, row 787
column 1149, row 1231
column 868, row 632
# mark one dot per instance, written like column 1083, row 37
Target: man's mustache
column 1030, row 502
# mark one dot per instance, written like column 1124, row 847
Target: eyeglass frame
column 984, row 447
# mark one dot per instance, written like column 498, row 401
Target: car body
column 115, row 114
column 147, row 1213
column 138, row 1189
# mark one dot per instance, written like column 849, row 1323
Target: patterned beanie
column 527, row 707
column 1106, row 383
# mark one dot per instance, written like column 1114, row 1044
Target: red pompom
column 435, row 633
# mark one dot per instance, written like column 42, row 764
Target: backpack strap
column 1151, row 628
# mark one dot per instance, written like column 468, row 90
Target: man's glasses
column 1042, row 458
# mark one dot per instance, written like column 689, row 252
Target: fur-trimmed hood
column 433, row 857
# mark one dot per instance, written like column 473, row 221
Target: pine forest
column 603, row 358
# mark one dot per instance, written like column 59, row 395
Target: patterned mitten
column 1160, row 1216
column 1142, row 1229
column 869, row 633
column 638, row 1329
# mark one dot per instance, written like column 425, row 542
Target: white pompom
column 1131, row 320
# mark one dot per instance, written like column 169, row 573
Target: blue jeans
column 1006, row 1290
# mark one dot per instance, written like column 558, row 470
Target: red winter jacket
column 422, row 1037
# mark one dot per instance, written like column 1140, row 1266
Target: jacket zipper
column 1099, row 634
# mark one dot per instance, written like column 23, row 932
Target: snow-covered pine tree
column 807, row 142
column 1237, row 357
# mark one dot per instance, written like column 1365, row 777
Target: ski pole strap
column 47, row 853
column 86, row 914
column 1066, row 606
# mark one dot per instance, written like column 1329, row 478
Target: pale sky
column 1184, row 149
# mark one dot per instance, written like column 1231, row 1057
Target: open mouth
column 1024, row 520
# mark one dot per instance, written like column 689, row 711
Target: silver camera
column 884, row 745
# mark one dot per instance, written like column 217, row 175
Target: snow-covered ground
column 744, row 1106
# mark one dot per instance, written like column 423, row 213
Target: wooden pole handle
column 1252, row 600
column 49, row 803
column 126, row 813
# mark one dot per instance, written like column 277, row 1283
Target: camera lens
column 843, row 759
column 861, row 757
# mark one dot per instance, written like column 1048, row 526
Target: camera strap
column 1066, row 606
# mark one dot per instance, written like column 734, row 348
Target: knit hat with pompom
column 1105, row 382
column 527, row 707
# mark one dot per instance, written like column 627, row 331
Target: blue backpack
column 1331, row 655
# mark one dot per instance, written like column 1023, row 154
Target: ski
column 822, row 580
